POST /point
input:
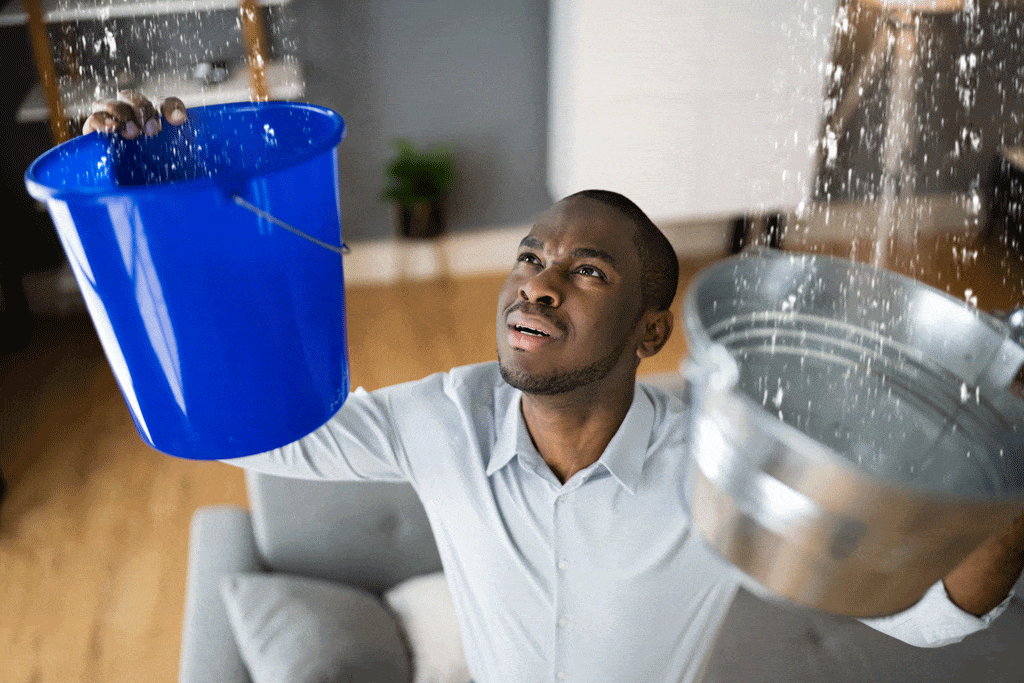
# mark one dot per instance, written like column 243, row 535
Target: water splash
column 908, row 121
column 159, row 53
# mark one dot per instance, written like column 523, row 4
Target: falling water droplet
column 971, row 298
column 777, row 400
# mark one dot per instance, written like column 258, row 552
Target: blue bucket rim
column 43, row 192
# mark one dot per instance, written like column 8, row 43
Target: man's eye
column 590, row 271
column 527, row 257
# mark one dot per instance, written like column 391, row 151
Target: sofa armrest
column 220, row 541
column 764, row 642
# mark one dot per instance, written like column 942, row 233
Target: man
column 552, row 480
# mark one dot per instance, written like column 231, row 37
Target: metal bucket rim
column 695, row 329
column 784, row 433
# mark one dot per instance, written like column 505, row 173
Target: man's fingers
column 101, row 121
column 123, row 113
column 145, row 112
column 174, row 111
column 132, row 114
column 129, row 124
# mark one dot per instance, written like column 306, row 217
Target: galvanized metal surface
column 854, row 432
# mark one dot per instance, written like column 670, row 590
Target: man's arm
column 357, row 443
column 983, row 580
column 967, row 600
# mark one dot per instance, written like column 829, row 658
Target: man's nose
column 542, row 288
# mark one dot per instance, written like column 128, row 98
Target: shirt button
column 564, row 621
column 562, row 564
column 563, row 675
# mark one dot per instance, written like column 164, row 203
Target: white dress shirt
column 602, row 578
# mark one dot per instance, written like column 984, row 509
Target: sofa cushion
column 292, row 629
column 424, row 607
column 359, row 533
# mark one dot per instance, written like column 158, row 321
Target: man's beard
column 563, row 381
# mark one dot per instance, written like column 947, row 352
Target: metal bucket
column 853, row 430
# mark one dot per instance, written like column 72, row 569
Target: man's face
column 568, row 311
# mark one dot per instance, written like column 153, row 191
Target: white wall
column 689, row 107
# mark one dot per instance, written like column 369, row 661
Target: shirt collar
column 626, row 453
column 624, row 456
column 507, row 436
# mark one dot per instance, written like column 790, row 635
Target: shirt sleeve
column 357, row 444
column 935, row 620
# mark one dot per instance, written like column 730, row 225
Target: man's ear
column 657, row 328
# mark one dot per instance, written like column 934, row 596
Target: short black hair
column 658, row 259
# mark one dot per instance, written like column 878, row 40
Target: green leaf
column 413, row 176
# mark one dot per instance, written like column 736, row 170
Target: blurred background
column 884, row 131
column 700, row 114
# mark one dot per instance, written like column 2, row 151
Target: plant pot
column 422, row 220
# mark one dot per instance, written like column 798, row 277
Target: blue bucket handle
column 343, row 249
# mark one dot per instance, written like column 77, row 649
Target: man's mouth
column 530, row 331
column 531, row 327
column 528, row 320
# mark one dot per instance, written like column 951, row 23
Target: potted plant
column 418, row 183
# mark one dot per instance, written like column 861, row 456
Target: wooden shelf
column 284, row 81
column 13, row 13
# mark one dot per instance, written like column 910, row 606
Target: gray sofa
column 376, row 535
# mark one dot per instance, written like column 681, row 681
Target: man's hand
column 983, row 580
column 131, row 115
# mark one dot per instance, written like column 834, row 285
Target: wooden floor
column 94, row 529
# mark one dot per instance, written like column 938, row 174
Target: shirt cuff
column 935, row 620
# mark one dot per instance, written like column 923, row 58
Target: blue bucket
column 225, row 331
